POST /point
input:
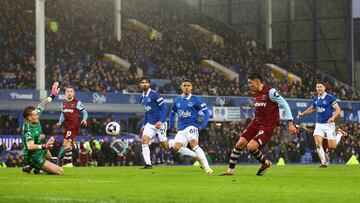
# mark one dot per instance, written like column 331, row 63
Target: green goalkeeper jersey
column 31, row 132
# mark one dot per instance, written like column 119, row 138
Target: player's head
column 144, row 83
column 320, row 87
column 186, row 87
column 69, row 93
column 31, row 115
column 255, row 82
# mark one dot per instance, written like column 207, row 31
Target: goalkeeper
column 35, row 152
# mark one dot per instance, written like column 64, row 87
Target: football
column 112, row 128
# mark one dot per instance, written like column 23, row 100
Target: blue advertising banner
column 19, row 95
column 350, row 109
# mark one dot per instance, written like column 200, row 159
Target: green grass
column 290, row 183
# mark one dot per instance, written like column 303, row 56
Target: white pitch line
column 59, row 199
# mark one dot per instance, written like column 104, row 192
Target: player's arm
column 85, row 114
column 204, row 109
column 309, row 110
column 277, row 98
column 54, row 92
column 162, row 105
column 172, row 116
column 32, row 146
column 337, row 111
column 61, row 119
column 145, row 121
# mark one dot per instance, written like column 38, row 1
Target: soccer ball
column 112, row 128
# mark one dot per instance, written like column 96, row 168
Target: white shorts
column 325, row 130
column 184, row 136
column 151, row 131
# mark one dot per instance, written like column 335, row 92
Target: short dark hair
column 69, row 87
column 321, row 82
column 186, row 80
column 145, row 78
column 27, row 111
column 255, row 76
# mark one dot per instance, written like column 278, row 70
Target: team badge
column 263, row 97
column 190, row 104
column 178, row 104
column 148, row 99
column 324, row 102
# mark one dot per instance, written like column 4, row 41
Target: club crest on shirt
column 324, row 102
column 190, row 104
column 148, row 99
column 263, row 97
column 178, row 104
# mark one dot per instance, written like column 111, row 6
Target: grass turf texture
column 290, row 183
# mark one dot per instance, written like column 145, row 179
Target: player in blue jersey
column 327, row 110
column 187, row 108
column 155, row 120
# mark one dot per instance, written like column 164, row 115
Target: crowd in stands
column 85, row 33
column 217, row 143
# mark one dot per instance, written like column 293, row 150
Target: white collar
column 188, row 97
column 147, row 93
column 324, row 95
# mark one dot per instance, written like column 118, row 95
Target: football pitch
column 290, row 183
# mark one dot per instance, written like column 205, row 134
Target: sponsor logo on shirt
column 184, row 114
column 320, row 109
column 147, row 108
column 259, row 104
column 68, row 110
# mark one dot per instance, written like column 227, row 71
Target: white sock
column 321, row 154
column 201, row 155
column 186, row 151
column 338, row 138
column 146, row 153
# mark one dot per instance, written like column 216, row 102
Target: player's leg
column 51, row 168
column 340, row 133
column 235, row 154
column 248, row 134
column 256, row 144
column 319, row 134
column 27, row 166
column 331, row 138
column 325, row 145
column 180, row 143
column 39, row 162
column 201, row 155
column 320, row 150
column 148, row 133
column 69, row 136
column 162, row 137
column 48, row 155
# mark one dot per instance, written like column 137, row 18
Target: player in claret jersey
column 257, row 134
column 70, row 114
